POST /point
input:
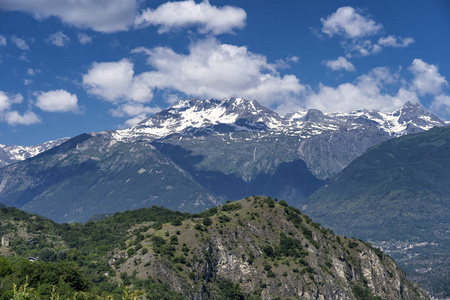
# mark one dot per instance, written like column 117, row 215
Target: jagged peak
column 238, row 114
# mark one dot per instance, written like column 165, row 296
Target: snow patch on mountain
column 192, row 116
column 11, row 153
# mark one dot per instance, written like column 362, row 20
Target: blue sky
column 69, row 67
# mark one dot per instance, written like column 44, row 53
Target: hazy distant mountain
column 10, row 153
column 198, row 153
column 397, row 195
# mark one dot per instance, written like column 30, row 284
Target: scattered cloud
column 100, row 15
column 57, row 101
column 133, row 109
column 27, row 81
column 24, row 57
column 395, row 42
column 208, row 18
column 341, row 63
column 58, row 39
column 13, row 117
column 133, row 121
column 215, row 70
column 355, row 30
column 137, row 112
column 20, row 43
column 84, row 39
column 380, row 89
column 115, row 82
column 369, row 91
column 348, row 22
column 2, row 40
column 358, row 47
column 441, row 105
column 427, row 79
column 285, row 63
column 33, row 72
column 5, row 101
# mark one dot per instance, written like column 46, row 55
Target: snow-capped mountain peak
column 192, row 115
column 196, row 116
column 12, row 153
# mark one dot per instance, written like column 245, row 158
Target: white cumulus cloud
column 369, row 91
column 58, row 39
column 395, row 42
column 115, row 82
column 100, row 15
column 215, row 70
column 441, row 105
column 341, row 63
column 132, row 109
column 427, row 79
column 57, row 101
column 348, row 22
column 13, row 117
column 208, row 18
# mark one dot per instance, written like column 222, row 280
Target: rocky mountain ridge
column 11, row 153
column 188, row 156
column 258, row 249
column 237, row 114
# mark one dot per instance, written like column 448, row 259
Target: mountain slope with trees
column 256, row 248
column 397, row 196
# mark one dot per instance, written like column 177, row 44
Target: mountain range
column 197, row 154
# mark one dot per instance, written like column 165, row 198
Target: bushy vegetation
column 72, row 257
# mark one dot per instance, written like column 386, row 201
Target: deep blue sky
column 69, row 67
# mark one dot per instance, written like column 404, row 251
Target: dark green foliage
column 48, row 255
column 156, row 290
column 177, row 222
column 66, row 277
column 291, row 247
column 227, row 290
column 224, row 219
column 207, row 221
column 363, row 293
column 352, row 244
column 269, row 201
column 174, row 240
column 160, row 246
column 231, row 207
column 5, row 267
column 268, row 250
column 283, row 203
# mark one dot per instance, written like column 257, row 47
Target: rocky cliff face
column 260, row 249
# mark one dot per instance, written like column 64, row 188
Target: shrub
column 283, row 203
column 207, row 221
